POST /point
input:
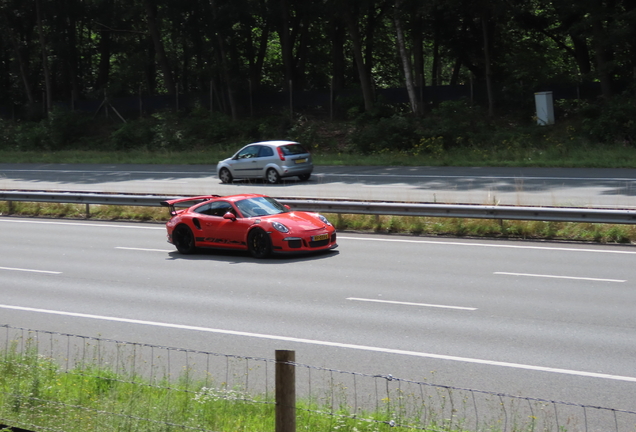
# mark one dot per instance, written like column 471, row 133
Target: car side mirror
column 230, row 216
column 287, row 207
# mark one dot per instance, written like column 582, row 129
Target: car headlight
column 280, row 227
column 324, row 219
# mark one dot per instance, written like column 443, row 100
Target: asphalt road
column 554, row 321
column 599, row 188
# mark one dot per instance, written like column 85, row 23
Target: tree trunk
column 227, row 77
column 406, row 61
column 363, row 72
column 159, row 48
column 338, row 55
column 71, row 64
column 418, row 61
column 603, row 60
column 487, row 60
column 435, row 78
column 286, row 45
column 45, row 62
column 456, row 69
column 23, row 69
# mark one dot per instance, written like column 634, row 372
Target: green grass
column 406, row 225
column 37, row 394
column 577, row 154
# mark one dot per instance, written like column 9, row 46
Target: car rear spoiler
column 185, row 202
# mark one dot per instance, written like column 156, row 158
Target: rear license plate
column 320, row 237
column 300, row 160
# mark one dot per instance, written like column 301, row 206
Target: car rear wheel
column 225, row 175
column 183, row 239
column 304, row 177
column 259, row 243
column 272, row 176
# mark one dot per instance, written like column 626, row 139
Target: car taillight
column 280, row 153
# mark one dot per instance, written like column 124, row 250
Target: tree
column 162, row 58
column 406, row 60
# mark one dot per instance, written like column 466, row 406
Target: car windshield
column 260, row 206
column 293, row 149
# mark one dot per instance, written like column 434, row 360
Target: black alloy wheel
column 259, row 243
column 183, row 239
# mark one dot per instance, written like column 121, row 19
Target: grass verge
column 406, row 225
column 37, row 393
column 570, row 155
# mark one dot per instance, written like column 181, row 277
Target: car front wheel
column 225, row 175
column 259, row 243
column 272, row 176
column 183, row 239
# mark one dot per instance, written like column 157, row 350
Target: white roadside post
column 545, row 108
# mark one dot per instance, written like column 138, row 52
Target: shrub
column 392, row 133
column 66, row 128
column 132, row 135
column 612, row 121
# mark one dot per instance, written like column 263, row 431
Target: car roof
column 274, row 143
column 235, row 198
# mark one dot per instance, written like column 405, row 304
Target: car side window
column 249, row 152
column 266, row 152
column 217, row 208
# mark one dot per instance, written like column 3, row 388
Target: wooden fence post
column 285, row 391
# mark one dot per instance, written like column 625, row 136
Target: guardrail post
column 88, row 211
column 285, row 391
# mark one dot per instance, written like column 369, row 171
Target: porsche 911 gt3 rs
column 252, row 222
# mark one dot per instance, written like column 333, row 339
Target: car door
column 265, row 156
column 216, row 231
column 245, row 163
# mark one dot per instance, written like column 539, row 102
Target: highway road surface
column 598, row 188
column 549, row 320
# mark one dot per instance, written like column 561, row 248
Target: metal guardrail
column 554, row 214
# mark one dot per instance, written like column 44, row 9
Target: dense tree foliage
column 62, row 49
column 75, row 50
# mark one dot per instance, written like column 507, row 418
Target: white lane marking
column 490, row 245
column 411, row 304
column 30, row 270
column 212, row 171
column 560, row 277
column 468, row 177
column 84, row 224
column 117, row 173
column 143, row 249
column 329, row 344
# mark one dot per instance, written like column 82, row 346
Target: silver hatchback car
column 269, row 160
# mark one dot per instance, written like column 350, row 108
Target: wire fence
column 53, row 381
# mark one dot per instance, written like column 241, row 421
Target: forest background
column 365, row 77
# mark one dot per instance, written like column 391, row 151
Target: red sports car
column 256, row 223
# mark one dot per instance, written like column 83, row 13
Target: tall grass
column 577, row 155
column 405, row 225
column 37, row 393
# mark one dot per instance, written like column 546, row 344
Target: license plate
column 320, row 237
column 300, row 160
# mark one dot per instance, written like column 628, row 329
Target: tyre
column 304, row 177
column 183, row 239
column 259, row 243
column 272, row 176
column 225, row 175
